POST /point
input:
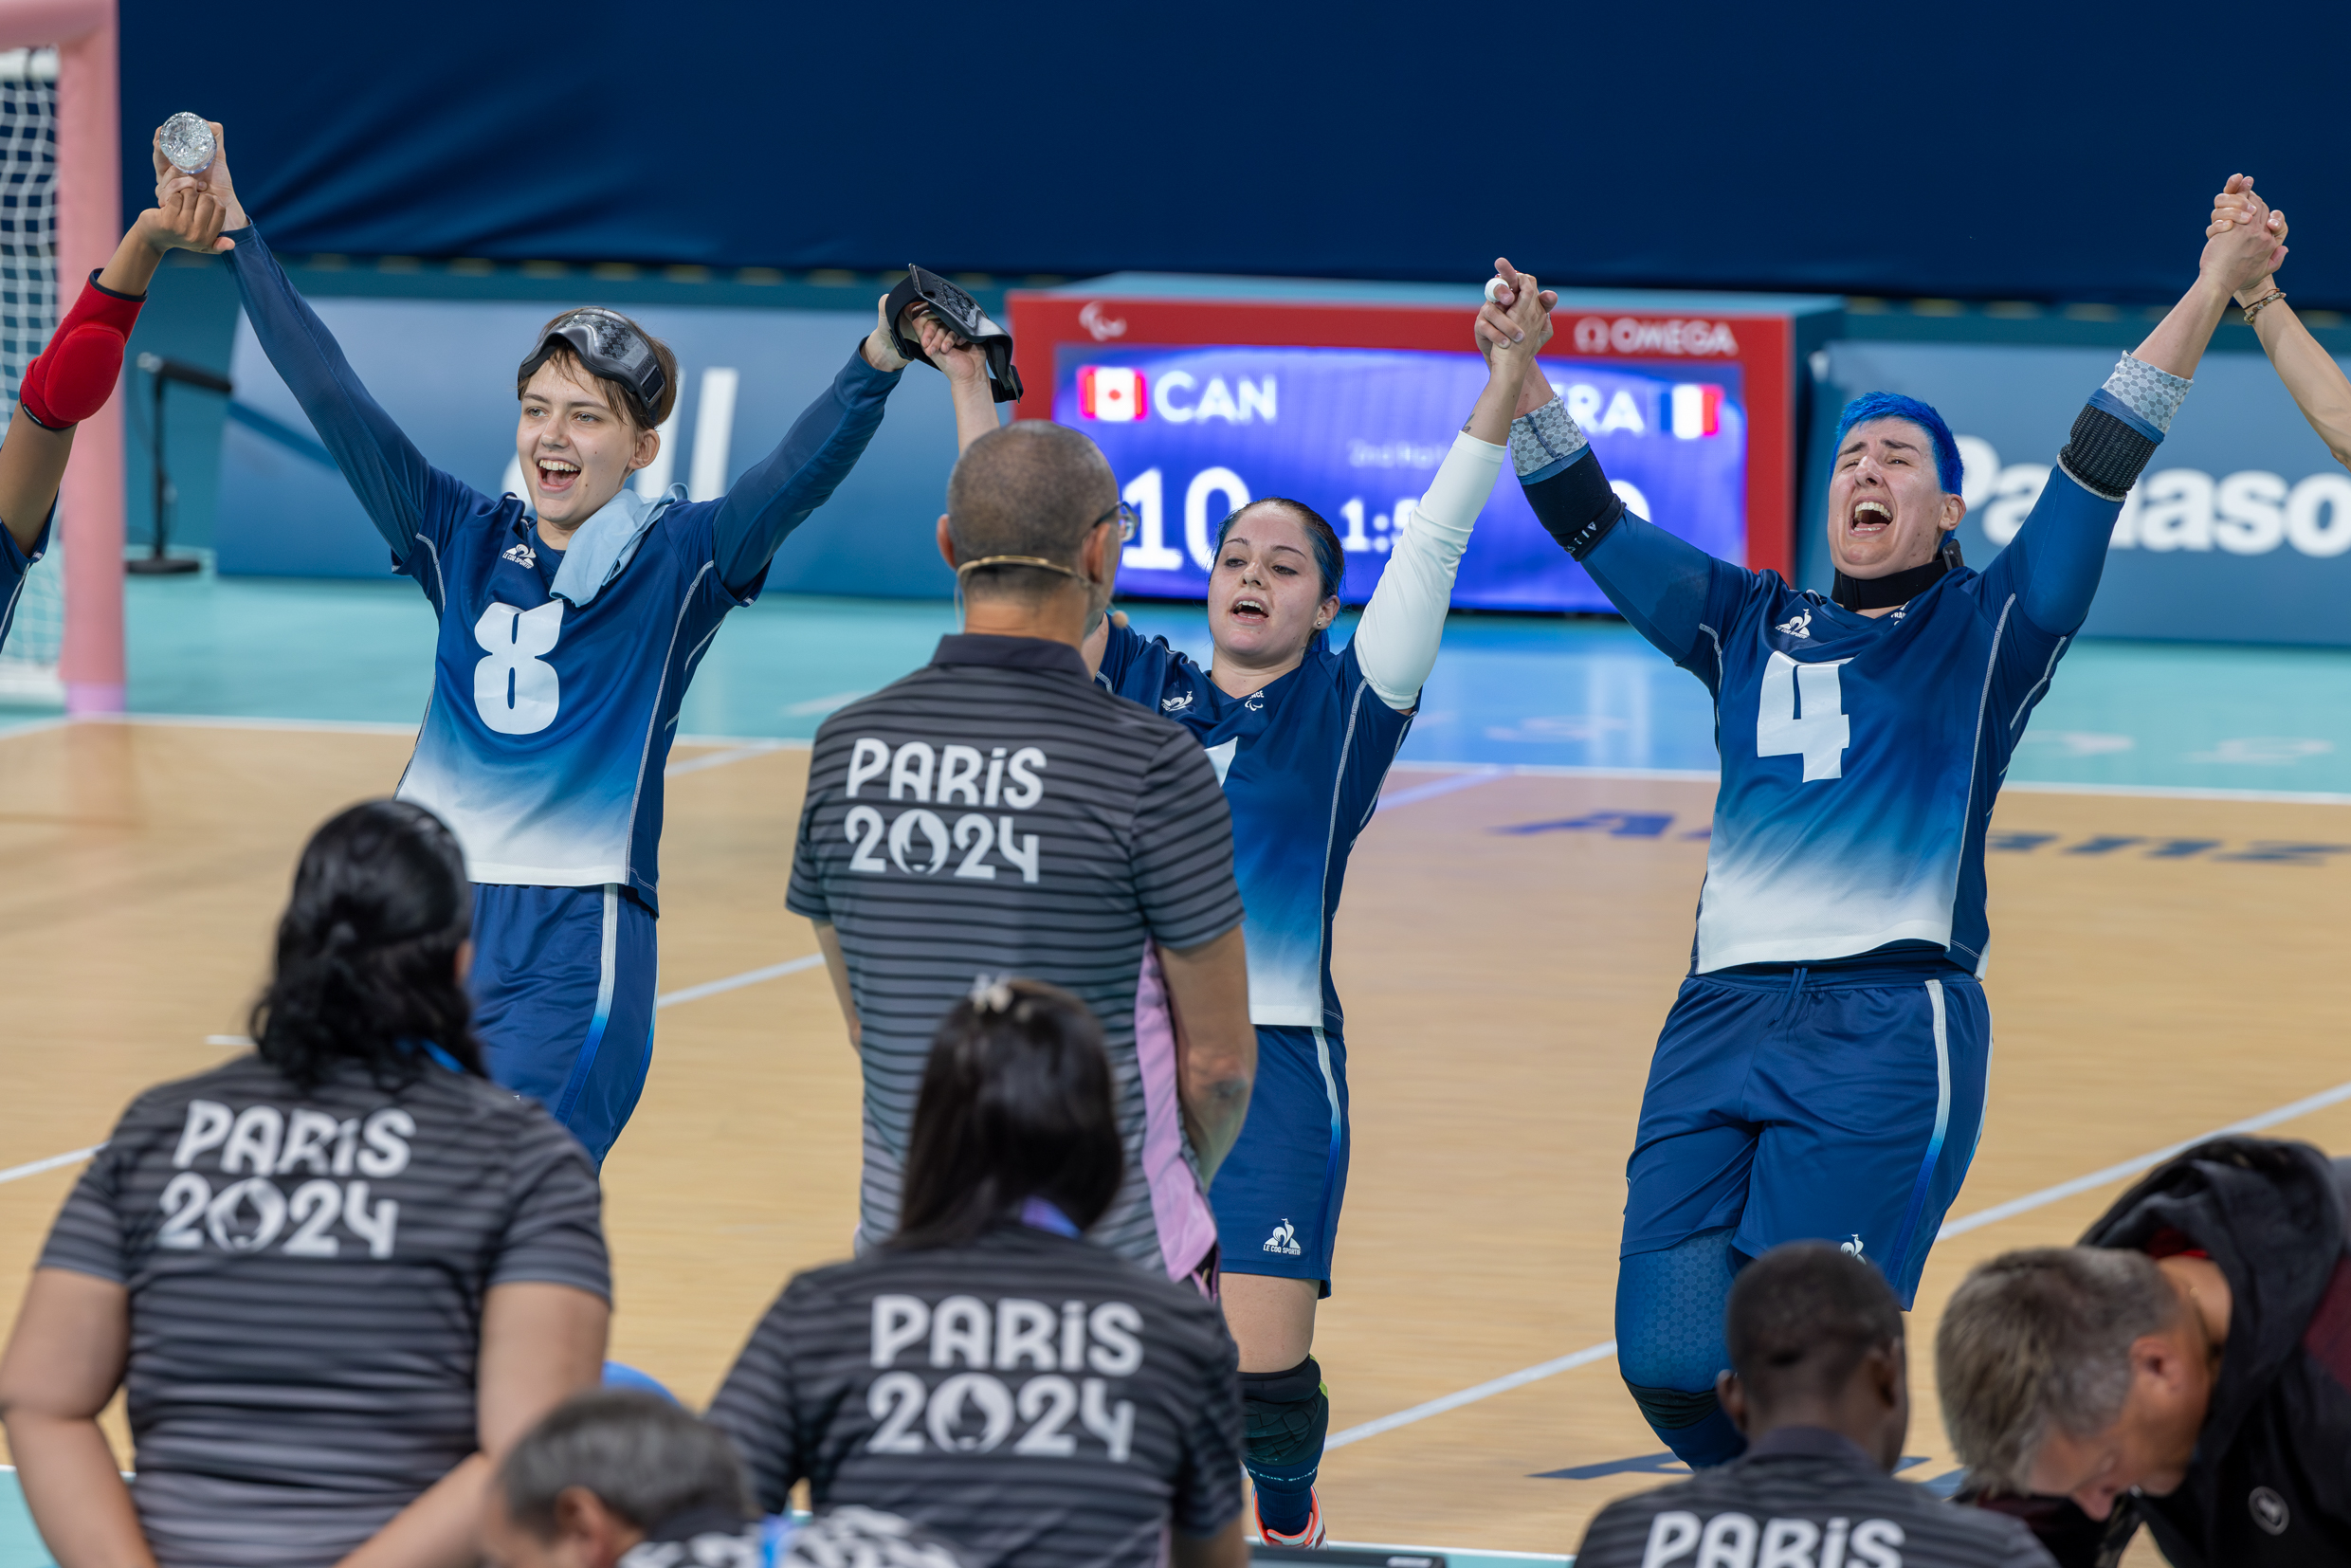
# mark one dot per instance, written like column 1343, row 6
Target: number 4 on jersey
column 1821, row 733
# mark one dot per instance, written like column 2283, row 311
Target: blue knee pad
column 1669, row 1343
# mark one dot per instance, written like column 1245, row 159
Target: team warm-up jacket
column 306, row 1271
column 1860, row 755
column 2270, row 1483
column 555, row 701
column 1035, row 1399
column 1801, row 1495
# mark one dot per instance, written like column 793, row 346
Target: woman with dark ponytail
column 336, row 1276
column 989, row 1374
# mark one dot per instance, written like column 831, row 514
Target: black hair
column 1029, row 488
column 1329, row 555
column 1016, row 1104
column 1802, row 1316
column 367, row 951
column 645, row 1457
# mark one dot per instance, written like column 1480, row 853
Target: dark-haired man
column 1820, row 1384
column 2188, row 1363
column 997, row 812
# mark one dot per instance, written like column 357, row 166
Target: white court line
column 689, row 993
column 1520, row 1378
column 740, row 753
column 735, row 982
column 17, row 1173
column 1993, row 1215
column 1469, row 780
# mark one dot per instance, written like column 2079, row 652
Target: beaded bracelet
column 2255, row 308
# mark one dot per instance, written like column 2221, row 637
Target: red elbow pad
column 75, row 374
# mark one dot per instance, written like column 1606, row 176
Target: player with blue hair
column 1821, row 1074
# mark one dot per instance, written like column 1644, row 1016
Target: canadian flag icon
column 1112, row 393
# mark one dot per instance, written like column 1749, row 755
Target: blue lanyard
column 1039, row 1214
column 433, row 1051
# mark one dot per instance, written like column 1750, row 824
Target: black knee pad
column 1671, row 1409
column 1285, row 1413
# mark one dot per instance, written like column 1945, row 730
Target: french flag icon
column 1696, row 409
column 1112, row 394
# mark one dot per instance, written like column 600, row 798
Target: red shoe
column 1315, row 1534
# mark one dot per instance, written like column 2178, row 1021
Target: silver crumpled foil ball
column 188, row 142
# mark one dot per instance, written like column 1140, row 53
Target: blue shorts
column 1830, row 1105
column 563, row 985
column 1277, row 1194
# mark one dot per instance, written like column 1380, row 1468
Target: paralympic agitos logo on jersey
column 1006, row 778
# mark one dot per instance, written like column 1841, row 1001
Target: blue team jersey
column 1301, row 762
column 551, row 717
column 1860, row 762
column 544, row 742
column 14, row 564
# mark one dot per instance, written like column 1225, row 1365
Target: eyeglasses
column 1123, row 516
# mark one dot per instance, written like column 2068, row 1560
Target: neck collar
column 1886, row 591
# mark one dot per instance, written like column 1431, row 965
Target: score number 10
column 1150, row 552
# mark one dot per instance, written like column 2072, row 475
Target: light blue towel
column 604, row 543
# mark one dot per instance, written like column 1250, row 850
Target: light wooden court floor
column 1507, row 948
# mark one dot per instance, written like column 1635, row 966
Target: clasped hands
column 2238, row 209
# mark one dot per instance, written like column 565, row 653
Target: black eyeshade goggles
column 610, row 347
column 962, row 316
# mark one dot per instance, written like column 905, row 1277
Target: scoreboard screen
column 1195, row 430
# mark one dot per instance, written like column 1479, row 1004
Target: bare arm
column 829, row 943
column 63, row 1363
column 2233, row 258
column 540, row 1344
column 1215, row 1043
column 33, row 459
column 966, row 368
column 1226, row 1548
column 2318, row 385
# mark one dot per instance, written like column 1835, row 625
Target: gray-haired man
column 2189, row 1362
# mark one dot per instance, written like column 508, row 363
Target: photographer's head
column 1815, row 1341
column 607, row 1470
column 373, row 950
column 1016, row 1104
column 2078, row 1372
column 1033, row 529
column 594, row 393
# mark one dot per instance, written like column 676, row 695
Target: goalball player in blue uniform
column 1302, row 737
column 570, row 625
column 1821, row 1075
column 76, row 373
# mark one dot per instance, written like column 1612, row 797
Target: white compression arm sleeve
column 1396, row 645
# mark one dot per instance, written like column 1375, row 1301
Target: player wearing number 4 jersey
column 571, row 621
column 1821, row 1075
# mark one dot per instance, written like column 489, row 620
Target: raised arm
column 2321, row 391
column 75, row 374
column 1396, row 645
column 396, row 486
column 2056, row 558
column 1656, row 581
column 776, row 494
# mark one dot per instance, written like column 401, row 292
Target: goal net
column 28, row 672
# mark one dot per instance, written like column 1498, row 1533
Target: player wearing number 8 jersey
column 570, row 622
column 1821, row 1075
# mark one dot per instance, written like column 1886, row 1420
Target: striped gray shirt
column 306, row 1274
column 997, row 812
column 1030, row 1397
